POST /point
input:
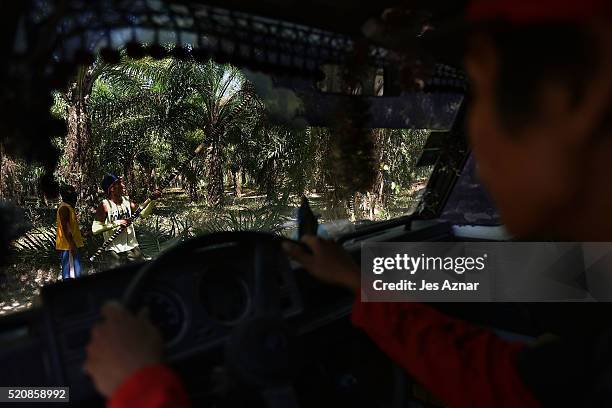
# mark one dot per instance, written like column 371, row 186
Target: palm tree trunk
column 1, row 171
column 193, row 183
column 237, row 180
column 9, row 184
column 377, row 197
column 214, row 189
column 79, row 168
column 270, row 180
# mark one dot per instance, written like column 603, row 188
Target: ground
column 36, row 263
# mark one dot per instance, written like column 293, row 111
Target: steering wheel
column 259, row 349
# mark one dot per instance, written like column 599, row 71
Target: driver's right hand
column 328, row 262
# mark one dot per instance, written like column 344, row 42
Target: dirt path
column 19, row 287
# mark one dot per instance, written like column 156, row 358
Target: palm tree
column 78, row 165
column 228, row 107
column 139, row 118
column 167, row 102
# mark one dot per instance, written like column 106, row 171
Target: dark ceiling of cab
column 340, row 16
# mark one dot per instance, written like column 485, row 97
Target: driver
column 541, row 131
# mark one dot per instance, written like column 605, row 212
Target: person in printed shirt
column 540, row 130
column 113, row 212
column 68, row 238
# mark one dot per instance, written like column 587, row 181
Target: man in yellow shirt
column 69, row 238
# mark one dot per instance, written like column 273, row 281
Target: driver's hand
column 120, row 345
column 328, row 262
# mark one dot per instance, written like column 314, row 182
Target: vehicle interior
column 217, row 298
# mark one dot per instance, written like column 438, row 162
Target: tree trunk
column 270, row 179
column 237, row 175
column 2, row 188
column 240, row 182
column 376, row 197
column 214, row 188
column 192, row 183
column 9, row 187
column 126, row 172
column 131, row 176
column 79, row 158
column 192, row 188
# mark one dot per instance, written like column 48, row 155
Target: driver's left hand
column 121, row 345
column 327, row 261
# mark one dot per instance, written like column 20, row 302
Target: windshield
column 469, row 202
column 142, row 120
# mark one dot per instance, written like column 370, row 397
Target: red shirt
column 151, row 387
column 462, row 364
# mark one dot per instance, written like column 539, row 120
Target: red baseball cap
column 537, row 11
